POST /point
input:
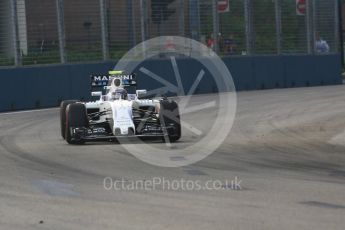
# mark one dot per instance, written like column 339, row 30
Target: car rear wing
column 101, row 81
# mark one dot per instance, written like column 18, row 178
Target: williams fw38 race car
column 122, row 112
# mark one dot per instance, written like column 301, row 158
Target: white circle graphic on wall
column 205, row 94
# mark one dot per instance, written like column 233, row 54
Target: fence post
column 307, row 22
column 61, row 29
column 310, row 21
column 313, row 26
column 194, row 19
column 278, row 25
column 131, row 24
column 337, row 20
column 248, row 25
column 15, row 35
column 104, row 29
column 340, row 37
column 181, row 17
column 143, row 24
column 215, row 17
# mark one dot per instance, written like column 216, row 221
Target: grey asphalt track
column 287, row 147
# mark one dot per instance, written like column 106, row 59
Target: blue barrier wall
column 46, row 86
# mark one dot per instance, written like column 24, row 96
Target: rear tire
column 170, row 114
column 76, row 117
column 63, row 107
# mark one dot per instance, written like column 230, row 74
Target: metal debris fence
column 67, row 31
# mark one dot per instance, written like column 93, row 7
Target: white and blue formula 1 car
column 119, row 113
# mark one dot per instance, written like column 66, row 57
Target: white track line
column 27, row 111
column 338, row 139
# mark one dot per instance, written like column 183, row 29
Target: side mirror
column 141, row 93
column 96, row 94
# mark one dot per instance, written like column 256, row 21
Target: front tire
column 76, row 117
column 170, row 116
column 63, row 107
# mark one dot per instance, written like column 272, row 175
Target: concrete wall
column 46, row 86
column 269, row 72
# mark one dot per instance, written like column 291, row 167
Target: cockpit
column 116, row 90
